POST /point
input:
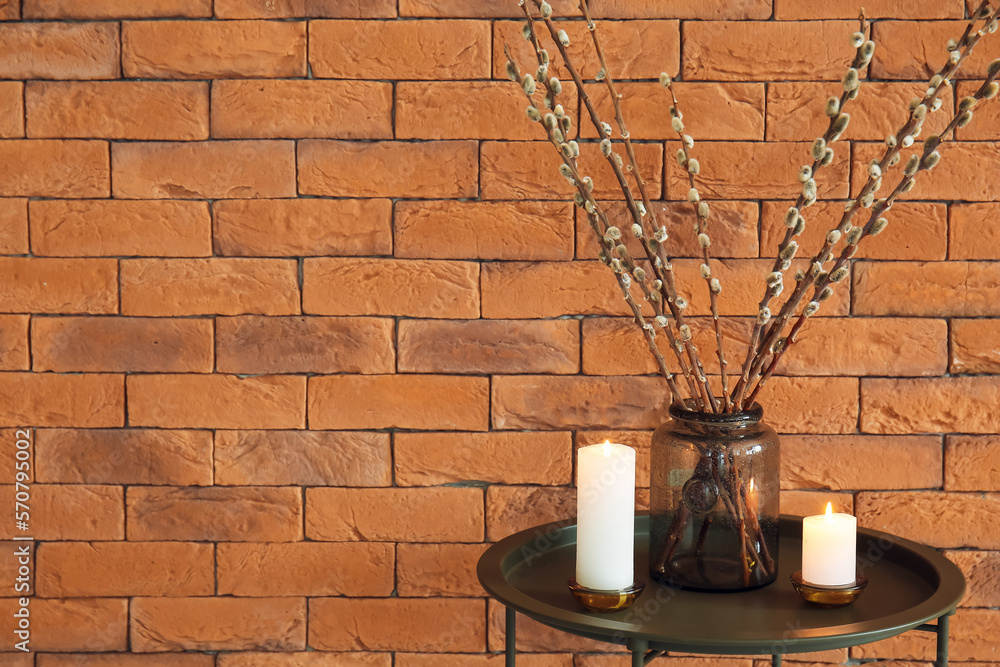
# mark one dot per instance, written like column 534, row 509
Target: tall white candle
column 605, row 509
column 829, row 544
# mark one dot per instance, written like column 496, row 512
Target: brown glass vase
column 714, row 500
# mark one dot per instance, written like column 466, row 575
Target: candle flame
column 607, row 448
column 829, row 510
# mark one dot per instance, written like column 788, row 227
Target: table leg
column 638, row 648
column 776, row 660
column 511, row 638
column 942, row 641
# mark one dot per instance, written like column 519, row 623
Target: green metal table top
column 909, row 584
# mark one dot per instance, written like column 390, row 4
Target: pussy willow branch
column 925, row 162
column 633, row 167
column 597, row 217
column 701, row 214
column 751, row 363
column 865, row 198
column 662, row 268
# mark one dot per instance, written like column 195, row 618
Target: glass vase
column 714, row 500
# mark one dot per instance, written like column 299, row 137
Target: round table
column 910, row 585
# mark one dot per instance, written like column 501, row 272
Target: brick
column 11, row 109
column 972, row 463
column 869, row 346
column 121, row 344
column 110, row 569
column 303, row 458
column 511, row 509
column 817, row 462
column 83, row 401
column 394, row 515
column 116, row 9
column 915, row 50
column 17, row 572
column 686, row 9
column 963, row 175
column 59, row 51
column 11, row 10
column 213, row 49
column 975, row 346
column 971, row 234
column 844, row 9
column 44, row 285
column 422, row 402
column 436, row 169
column 930, row 289
column 9, row 439
column 252, row 344
column 303, row 227
column 123, row 456
column 126, row 660
column 485, row 9
column 540, row 402
column 766, row 169
column 118, row 110
column 469, row 110
column 204, row 170
column 217, row 401
column 13, row 226
column 481, row 660
column 393, row 287
column 971, row 639
column 733, row 227
column 75, row 624
column 716, row 111
column 14, row 343
column 311, row 108
column 511, row 290
column 808, row 502
column 517, row 230
column 54, row 168
column 99, row 228
column 214, row 514
column 533, row 636
column 72, row 512
column 787, row 412
column 218, row 624
column 262, row 570
column 938, row 519
column 795, row 110
column 529, row 170
column 283, row 9
column 917, row 231
column 982, row 576
column 212, row 286
column 489, row 346
column 623, row 43
column 395, row 624
column 305, row 658
column 430, row 459
column 730, row 51
column 987, row 116
column 425, row 50
column 438, row 570
column 927, row 405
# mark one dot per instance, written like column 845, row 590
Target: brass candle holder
column 829, row 597
column 603, row 602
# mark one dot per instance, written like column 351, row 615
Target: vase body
column 714, row 500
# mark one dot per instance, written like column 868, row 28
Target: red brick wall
column 280, row 276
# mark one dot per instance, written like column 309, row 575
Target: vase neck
column 726, row 420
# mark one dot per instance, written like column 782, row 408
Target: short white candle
column 829, row 544
column 605, row 510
